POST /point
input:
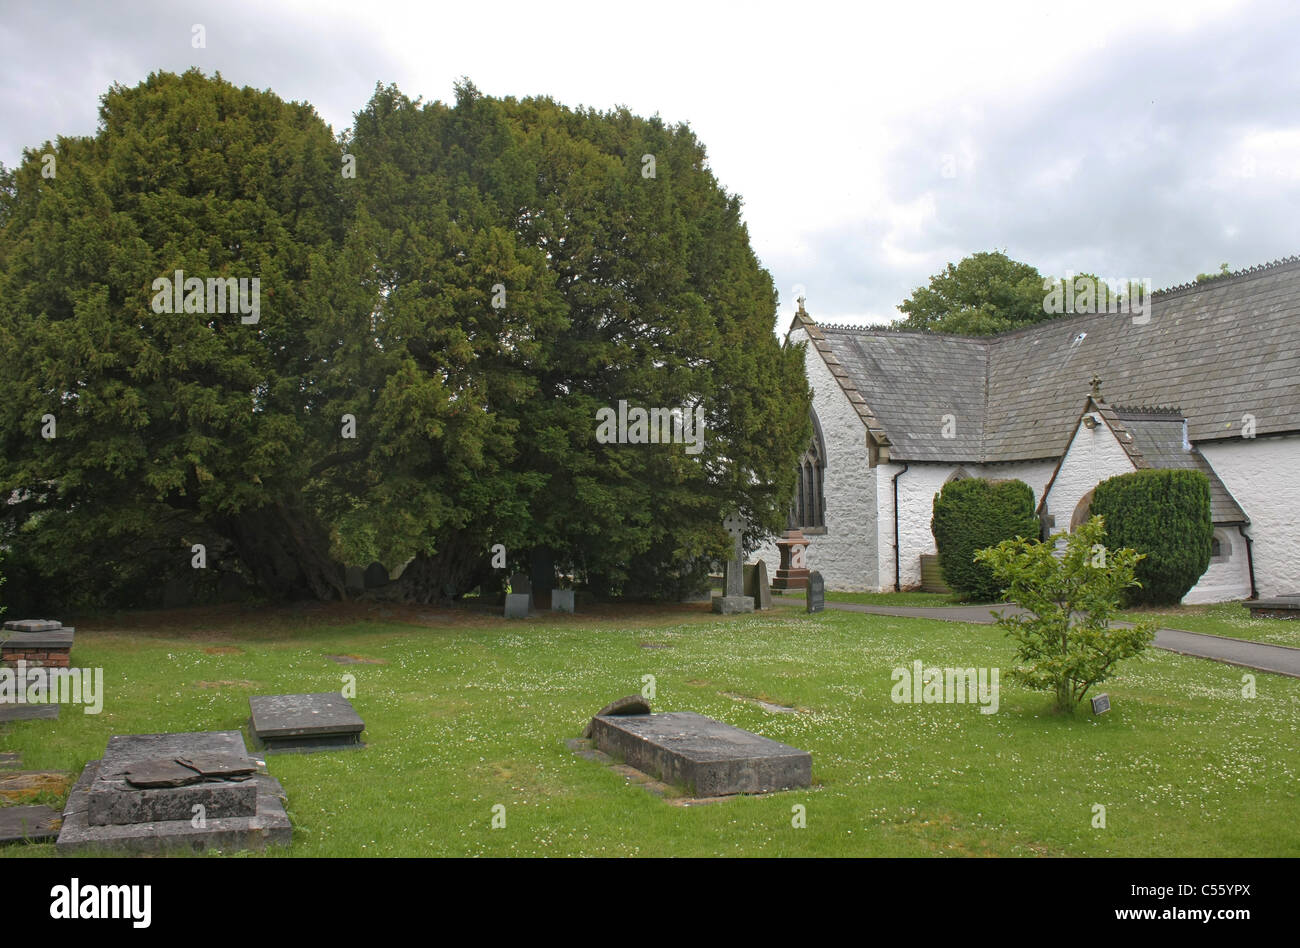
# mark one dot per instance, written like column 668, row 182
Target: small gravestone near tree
column 1067, row 642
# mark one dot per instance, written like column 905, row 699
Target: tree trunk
column 454, row 570
column 287, row 551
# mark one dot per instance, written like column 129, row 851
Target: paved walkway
column 1281, row 659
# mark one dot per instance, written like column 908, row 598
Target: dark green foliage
column 1164, row 514
column 475, row 423
column 971, row 514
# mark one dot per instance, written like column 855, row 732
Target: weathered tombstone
column 354, row 578
column 816, row 592
column 733, row 598
column 310, row 722
column 517, row 605
column 631, row 704
column 1101, row 704
column 376, row 575
column 33, row 625
column 562, row 600
column 28, row 824
column 45, row 642
column 144, row 794
column 521, row 585
column 709, row 757
column 756, row 585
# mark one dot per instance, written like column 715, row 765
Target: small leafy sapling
column 1067, row 643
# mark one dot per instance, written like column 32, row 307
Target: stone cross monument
column 733, row 598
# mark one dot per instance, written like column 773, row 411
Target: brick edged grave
column 44, row 642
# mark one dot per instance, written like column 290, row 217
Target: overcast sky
column 871, row 143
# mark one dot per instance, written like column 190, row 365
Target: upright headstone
column 733, row 598
column 816, row 592
column 354, row 579
column 760, row 590
column 521, row 585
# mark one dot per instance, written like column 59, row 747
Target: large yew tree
column 493, row 273
column 170, row 428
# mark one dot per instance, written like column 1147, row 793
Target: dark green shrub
column 974, row 513
column 1166, row 515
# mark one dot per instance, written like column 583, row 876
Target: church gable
column 1100, row 447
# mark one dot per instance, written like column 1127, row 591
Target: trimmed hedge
column 974, row 513
column 1166, row 515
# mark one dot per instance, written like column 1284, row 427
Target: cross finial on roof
column 802, row 311
column 1096, row 387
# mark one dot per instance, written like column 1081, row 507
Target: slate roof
column 1219, row 350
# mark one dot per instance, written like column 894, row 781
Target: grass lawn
column 1224, row 618
column 883, row 599
column 467, row 711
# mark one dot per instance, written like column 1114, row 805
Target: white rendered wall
column 1094, row 455
column 845, row 554
column 1225, row 581
column 1263, row 474
column 916, row 492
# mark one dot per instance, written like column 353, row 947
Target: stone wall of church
column 1263, row 474
column 845, row 554
column 917, row 488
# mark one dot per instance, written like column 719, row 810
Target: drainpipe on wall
column 898, row 553
column 1250, row 560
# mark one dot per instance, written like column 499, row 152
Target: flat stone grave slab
column 33, row 625
column 310, row 722
column 708, row 757
column 141, row 779
column 28, row 712
column 28, row 824
column 24, row 786
column 232, row 806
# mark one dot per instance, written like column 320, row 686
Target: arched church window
column 809, row 508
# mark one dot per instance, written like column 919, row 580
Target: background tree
column 984, row 294
column 1067, row 643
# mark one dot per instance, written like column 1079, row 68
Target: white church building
column 1208, row 378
